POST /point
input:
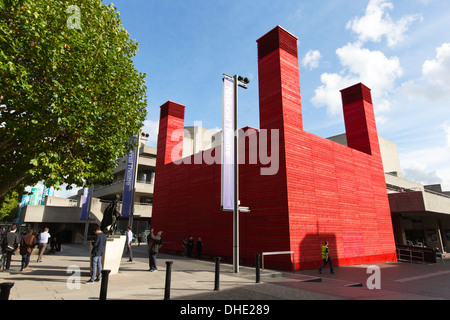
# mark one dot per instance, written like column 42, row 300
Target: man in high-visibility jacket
column 326, row 258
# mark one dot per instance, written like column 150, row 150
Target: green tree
column 10, row 206
column 70, row 96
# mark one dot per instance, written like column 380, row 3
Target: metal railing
column 411, row 255
column 279, row 252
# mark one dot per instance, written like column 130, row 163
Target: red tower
column 321, row 190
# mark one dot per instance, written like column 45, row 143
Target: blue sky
column 400, row 49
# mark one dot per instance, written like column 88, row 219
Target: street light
column 238, row 81
column 144, row 136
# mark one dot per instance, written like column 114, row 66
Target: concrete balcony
column 59, row 210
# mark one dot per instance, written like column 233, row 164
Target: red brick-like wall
column 322, row 191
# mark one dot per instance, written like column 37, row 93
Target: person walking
column 10, row 243
column 3, row 245
column 128, row 243
column 42, row 243
column 326, row 258
column 190, row 246
column 153, row 249
column 199, row 247
column 184, row 245
column 26, row 247
column 98, row 249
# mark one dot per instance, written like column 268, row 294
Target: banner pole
column 236, row 183
column 86, row 226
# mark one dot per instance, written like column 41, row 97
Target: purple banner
column 128, row 185
column 227, row 181
column 85, row 203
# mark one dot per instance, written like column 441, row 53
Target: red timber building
column 322, row 191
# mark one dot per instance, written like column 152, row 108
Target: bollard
column 168, row 278
column 217, row 274
column 258, row 273
column 104, row 284
column 5, row 288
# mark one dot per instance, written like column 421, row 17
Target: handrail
column 410, row 254
column 279, row 252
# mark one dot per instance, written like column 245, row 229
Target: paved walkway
column 193, row 280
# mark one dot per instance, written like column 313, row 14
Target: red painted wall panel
column 323, row 191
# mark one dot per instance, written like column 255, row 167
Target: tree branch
column 4, row 189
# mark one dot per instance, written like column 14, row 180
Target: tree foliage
column 70, row 96
column 10, row 206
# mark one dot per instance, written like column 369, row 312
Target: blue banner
column 85, row 203
column 128, row 185
column 23, row 203
column 47, row 192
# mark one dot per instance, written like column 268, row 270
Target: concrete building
column 420, row 213
column 63, row 215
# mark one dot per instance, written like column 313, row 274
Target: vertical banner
column 85, row 203
column 23, row 203
column 47, row 192
column 227, row 178
column 128, row 185
column 35, row 196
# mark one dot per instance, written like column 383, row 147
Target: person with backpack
column 326, row 258
column 10, row 243
column 153, row 249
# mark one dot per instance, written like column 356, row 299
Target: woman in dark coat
column 26, row 246
column 199, row 247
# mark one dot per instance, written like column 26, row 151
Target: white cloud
column 63, row 193
column 437, row 71
column 416, row 164
column 372, row 68
column 377, row 24
column 419, row 173
column 435, row 83
column 447, row 133
column 328, row 94
column 311, row 59
column 151, row 127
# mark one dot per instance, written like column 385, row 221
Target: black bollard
column 5, row 288
column 217, row 274
column 168, row 279
column 104, row 284
column 258, row 273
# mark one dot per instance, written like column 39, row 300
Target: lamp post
column 87, row 198
column 140, row 135
column 242, row 82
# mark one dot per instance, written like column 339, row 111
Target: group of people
column 154, row 242
column 188, row 247
column 10, row 242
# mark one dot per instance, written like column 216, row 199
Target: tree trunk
column 4, row 189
